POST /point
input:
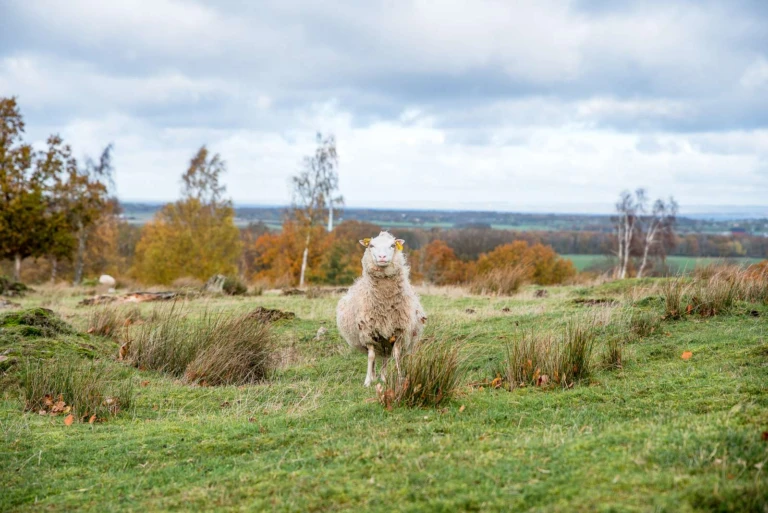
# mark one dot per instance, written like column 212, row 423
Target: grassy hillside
column 661, row 433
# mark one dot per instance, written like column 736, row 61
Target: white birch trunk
column 304, row 262
column 17, row 267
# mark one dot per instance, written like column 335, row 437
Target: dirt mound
column 133, row 297
column 270, row 315
column 12, row 288
column 35, row 322
column 593, row 301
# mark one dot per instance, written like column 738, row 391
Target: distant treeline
column 469, row 243
column 471, row 219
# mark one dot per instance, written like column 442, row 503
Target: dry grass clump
column 81, row 387
column 614, row 355
column 430, row 376
column 673, row 291
column 644, row 324
column 187, row 282
column 502, row 282
column 215, row 349
column 544, row 359
column 715, row 290
column 109, row 321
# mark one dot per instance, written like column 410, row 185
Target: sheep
column 381, row 313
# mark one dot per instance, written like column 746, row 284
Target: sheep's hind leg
column 369, row 377
column 384, row 369
column 396, row 356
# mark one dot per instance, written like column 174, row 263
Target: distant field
column 677, row 264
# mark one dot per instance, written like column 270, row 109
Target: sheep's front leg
column 369, row 377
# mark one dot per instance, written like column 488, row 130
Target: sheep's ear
column 399, row 244
column 365, row 242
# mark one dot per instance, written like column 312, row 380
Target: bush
column 83, row 388
column 430, row 376
column 216, row 348
column 11, row 288
column 233, row 286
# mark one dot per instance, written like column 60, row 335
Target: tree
column 86, row 194
column 628, row 208
column 22, row 198
column 659, row 224
column 195, row 236
column 313, row 189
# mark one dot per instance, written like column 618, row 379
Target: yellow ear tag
column 399, row 246
column 367, row 241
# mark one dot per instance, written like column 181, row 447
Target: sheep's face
column 383, row 248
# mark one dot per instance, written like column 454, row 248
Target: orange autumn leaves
column 334, row 259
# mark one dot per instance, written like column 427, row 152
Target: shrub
column 85, row 387
column 216, row 348
column 233, row 286
column 108, row 321
column 430, row 376
column 504, row 281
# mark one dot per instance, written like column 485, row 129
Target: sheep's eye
column 392, row 246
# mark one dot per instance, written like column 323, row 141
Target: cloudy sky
column 526, row 105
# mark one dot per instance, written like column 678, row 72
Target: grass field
column 662, row 433
column 677, row 264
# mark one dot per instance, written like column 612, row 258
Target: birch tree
column 313, row 193
column 659, row 223
column 627, row 208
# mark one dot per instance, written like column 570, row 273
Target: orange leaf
column 48, row 400
column 689, row 309
column 462, row 408
column 145, row 383
column 92, row 419
column 686, row 355
column 69, row 419
column 496, row 383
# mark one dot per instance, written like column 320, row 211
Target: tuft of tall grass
column 673, row 291
column 544, row 359
column 644, row 324
column 108, row 320
column 503, row 282
column 215, row 349
column 430, row 376
column 86, row 387
column 613, row 357
column 241, row 351
column 717, row 295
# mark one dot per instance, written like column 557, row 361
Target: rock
column 215, row 284
column 321, row 333
column 107, row 281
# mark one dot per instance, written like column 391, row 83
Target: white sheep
column 381, row 313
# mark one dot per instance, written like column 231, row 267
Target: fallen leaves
column 462, row 408
column 686, row 355
column 764, row 436
column 69, row 419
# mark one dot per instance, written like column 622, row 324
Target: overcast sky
column 540, row 105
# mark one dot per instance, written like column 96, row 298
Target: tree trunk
column 81, row 235
column 54, row 269
column 330, row 216
column 620, row 241
column 304, row 262
column 17, row 267
column 645, row 259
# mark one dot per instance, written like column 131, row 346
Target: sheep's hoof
column 367, row 383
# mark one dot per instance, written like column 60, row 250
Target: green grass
column 677, row 264
column 659, row 434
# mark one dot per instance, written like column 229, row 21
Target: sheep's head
column 383, row 250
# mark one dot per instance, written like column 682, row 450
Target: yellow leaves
column 496, row 382
column 686, row 355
